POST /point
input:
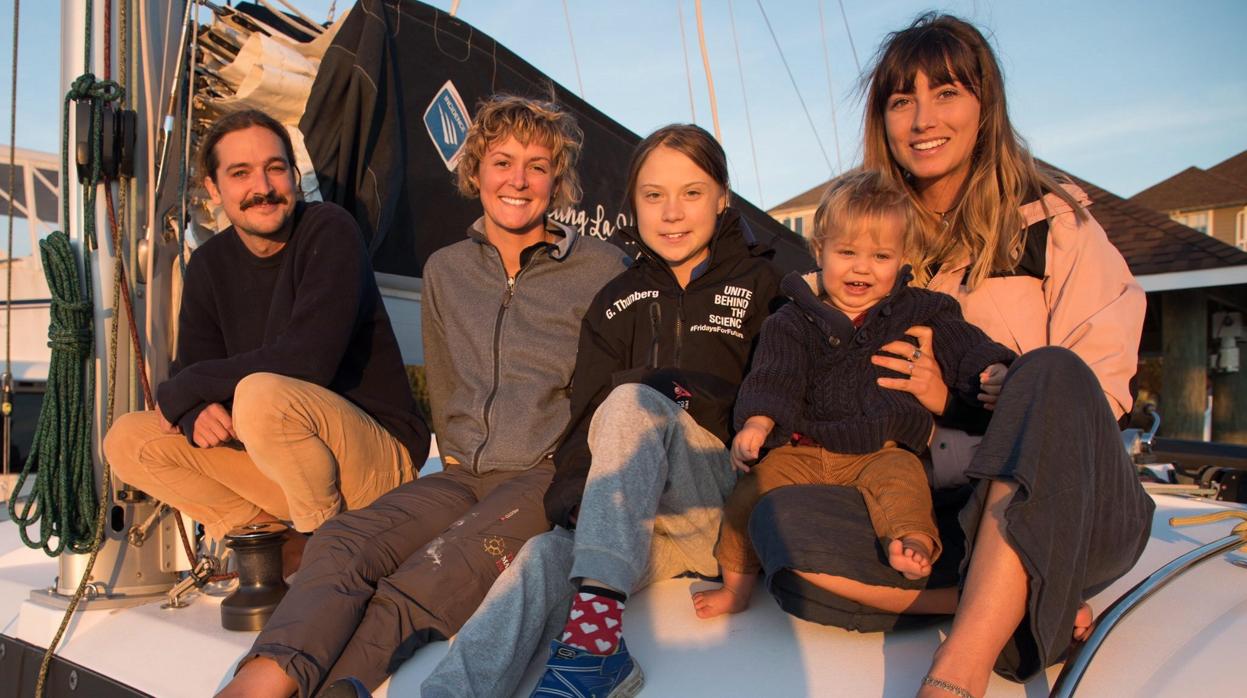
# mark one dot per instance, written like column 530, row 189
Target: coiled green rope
column 63, row 497
column 64, row 500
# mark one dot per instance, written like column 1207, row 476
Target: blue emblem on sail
column 447, row 122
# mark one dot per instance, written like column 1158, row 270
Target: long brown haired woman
column 1049, row 511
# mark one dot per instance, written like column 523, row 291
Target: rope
column 793, row 80
column 705, row 62
column 62, row 443
column 848, row 31
column 66, row 406
column 571, row 39
column 6, row 380
column 66, row 417
column 831, row 94
column 688, row 74
column 62, row 456
column 740, row 69
column 188, row 88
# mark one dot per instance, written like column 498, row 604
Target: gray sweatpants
column 650, row 511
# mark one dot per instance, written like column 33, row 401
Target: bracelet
column 943, row 685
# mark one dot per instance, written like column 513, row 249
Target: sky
column 1122, row 93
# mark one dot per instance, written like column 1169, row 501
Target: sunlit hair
column 529, row 121
column 691, row 140
column 237, row 121
column 859, row 200
column 985, row 222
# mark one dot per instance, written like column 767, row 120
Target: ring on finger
column 916, row 355
column 909, row 367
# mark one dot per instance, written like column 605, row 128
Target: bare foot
column 1082, row 622
column 259, row 678
column 911, row 555
column 716, row 602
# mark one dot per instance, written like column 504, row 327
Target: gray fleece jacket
column 499, row 352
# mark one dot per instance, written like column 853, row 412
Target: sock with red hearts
column 595, row 623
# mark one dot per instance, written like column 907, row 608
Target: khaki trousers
column 306, row 453
column 892, row 482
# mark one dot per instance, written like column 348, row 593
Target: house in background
column 1212, row 201
column 797, row 213
column 1190, row 278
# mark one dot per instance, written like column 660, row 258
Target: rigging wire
column 740, row 69
column 7, row 377
column 831, row 93
column 688, row 74
column 192, row 63
column 571, row 39
column 166, row 135
column 705, row 62
column 310, row 23
column 848, row 31
column 794, row 86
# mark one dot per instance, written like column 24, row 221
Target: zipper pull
column 506, row 300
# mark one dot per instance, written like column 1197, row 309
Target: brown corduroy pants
column 891, row 480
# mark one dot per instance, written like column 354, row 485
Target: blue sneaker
column 574, row 673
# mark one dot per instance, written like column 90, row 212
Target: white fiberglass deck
column 1187, row 640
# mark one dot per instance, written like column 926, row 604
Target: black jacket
column 703, row 336
column 812, row 372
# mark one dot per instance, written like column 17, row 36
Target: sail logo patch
column 447, row 122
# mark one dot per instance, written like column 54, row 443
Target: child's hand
column 991, row 380
column 748, row 443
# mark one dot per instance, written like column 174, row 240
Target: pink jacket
column 1087, row 302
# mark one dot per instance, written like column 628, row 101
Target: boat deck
column 1185, row 640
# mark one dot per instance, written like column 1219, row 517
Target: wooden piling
column 1184, row 382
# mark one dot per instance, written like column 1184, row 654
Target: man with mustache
column 287, row 400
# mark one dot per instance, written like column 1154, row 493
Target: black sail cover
column 387, row 116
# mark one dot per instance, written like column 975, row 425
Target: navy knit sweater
column 812, row 372
column 312, row 312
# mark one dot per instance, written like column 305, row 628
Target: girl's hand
column 925, row 380
column 991, row 380
column 748, row 442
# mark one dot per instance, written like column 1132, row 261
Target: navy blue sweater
column 812, row 372
column 312, row 311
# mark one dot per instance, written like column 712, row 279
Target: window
column 1195, row 219
column 799, row 228
column 788, row 223
column 1240, row 229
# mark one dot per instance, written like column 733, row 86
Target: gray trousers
column 651, row 511
column 380, row 582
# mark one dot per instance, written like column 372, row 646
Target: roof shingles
column 1151, row 242
column 1194, row 188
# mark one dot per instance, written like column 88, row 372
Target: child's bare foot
column 716, row 602
column 911, row 555
column 1082, row 622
